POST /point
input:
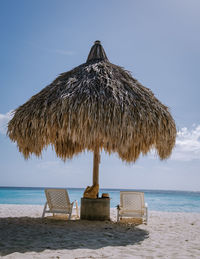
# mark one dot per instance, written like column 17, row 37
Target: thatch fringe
column 95, row 102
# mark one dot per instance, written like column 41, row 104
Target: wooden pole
column 96, row 161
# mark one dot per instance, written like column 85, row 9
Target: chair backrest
column 57, row 199
column 132, row 201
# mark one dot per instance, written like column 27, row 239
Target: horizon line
column 118, row 189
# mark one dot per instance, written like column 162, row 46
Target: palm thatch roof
column 96, row 103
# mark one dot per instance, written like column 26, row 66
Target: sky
column 158, row 41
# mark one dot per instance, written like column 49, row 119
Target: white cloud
column 187, row 144
column 4, row 119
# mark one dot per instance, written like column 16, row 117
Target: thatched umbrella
column 95, row 106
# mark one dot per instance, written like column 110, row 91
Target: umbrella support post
column 93, row 191
column 96, row 161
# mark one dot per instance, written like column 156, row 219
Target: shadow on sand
column 27, row 234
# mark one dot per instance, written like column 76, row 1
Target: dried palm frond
column 96, row 103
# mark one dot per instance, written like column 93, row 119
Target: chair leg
column 146, row 216
column 44, row 210
column 117, row 215
column 76, row 208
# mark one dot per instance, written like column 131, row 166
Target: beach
column 23, row 234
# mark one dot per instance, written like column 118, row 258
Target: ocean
column 158, row 200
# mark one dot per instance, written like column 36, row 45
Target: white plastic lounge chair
column 58, row 202
column 132, row 205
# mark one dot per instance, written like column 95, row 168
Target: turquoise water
column 177, row 201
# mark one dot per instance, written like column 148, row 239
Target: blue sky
column 158, row 41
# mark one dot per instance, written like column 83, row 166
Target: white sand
column 23, row 234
